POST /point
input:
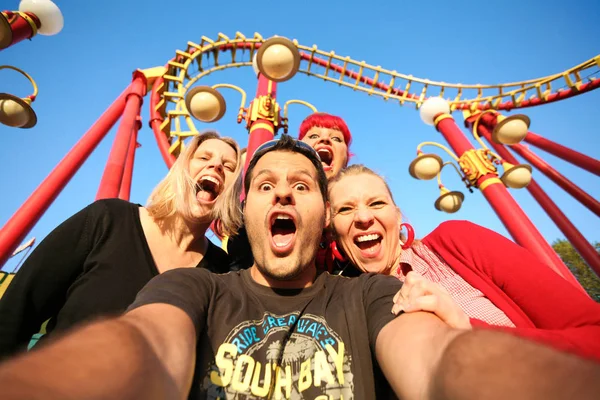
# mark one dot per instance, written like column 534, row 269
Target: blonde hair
column 174, row 194
column 360, row 169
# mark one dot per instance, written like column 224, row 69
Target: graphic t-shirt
column 258, row 342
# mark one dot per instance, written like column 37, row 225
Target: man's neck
column 304, row 280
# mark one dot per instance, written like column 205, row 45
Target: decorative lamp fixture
column 516, row 176
column 510, row 130
column 205, row 103
column 432, row 107
column 449, row 202
column 278, row 59
column 425, row 166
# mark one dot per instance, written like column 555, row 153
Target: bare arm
column 149, row 353
column 423, row 358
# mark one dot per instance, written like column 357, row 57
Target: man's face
column 285, row 216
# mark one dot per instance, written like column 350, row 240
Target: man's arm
column 148, row 353
column 423, row 358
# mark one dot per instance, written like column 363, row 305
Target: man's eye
column 301, row 187
column 265, row 187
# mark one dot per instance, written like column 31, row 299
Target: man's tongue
column 283, row 233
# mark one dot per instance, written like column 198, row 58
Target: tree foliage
column 582, row 271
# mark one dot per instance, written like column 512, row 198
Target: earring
column 410, row 235
column 336, row 253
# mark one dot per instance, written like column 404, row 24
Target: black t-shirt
column 92, row 264
column 257, row 342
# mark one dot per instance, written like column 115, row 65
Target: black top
column 253, row 340
column 92, row 264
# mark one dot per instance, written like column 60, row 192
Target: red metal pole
column 587, row 251
column 125, row 190
column 19, row 225
column 261, row 129
column 155, row 121
column 508, row 210
column 574, row 157
column 21, row 26
column 574, row 190
column 113, row 173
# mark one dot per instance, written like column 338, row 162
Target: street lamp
column 207, row 104
column 278, row 59
column 16, row 111
column 476, row 165
column 507, row 130
column 34, row 16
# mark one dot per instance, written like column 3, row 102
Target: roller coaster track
column 200, row 60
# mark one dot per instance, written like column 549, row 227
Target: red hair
column 327, row 121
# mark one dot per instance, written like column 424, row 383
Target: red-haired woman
column 330, row 136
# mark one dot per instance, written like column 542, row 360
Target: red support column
column 583, row 247
column 17, row 26
column 262, row 129
column 19, row 225
column 574, row 157
column 568, row 186
column 155, row 121
column 113, row 173
column 125, row 190
column 508, row 210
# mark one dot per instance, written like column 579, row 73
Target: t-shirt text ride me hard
column 258, row 342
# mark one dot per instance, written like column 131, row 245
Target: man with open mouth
column 283, row 330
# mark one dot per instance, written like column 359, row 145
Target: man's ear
column 327, row 215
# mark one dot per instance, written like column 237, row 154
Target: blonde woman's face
column 366, row 221
column 212, row 168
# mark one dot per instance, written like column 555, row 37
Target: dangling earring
column 410, row 235
column 336, row 253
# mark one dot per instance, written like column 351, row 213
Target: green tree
column 582, row 271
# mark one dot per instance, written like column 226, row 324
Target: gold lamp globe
column 449, row 202
column 205, row 104
column 516, row 176
column 511, row 130
column 425, row 166
column 16, row 112
column 278, row 59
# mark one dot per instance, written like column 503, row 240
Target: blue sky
column 84, row 68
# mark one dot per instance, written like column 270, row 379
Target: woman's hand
column 419, row 294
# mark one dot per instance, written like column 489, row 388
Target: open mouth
column 283, row 232
column 208, row 189
column 369, row 244
column 326, row 156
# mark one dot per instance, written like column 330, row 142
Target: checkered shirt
column 473, row 302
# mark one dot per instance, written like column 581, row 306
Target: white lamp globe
column 49, row 14
column 431, row 107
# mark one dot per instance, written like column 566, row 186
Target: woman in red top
column 468, row 275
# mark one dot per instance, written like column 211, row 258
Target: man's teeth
column 367, row 238
column 283, row 217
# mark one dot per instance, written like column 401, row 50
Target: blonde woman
column 467, row 275
column 95, row 262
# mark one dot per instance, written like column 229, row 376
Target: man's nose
column 283, row 194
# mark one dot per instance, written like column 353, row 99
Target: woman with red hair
column 330, row 137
